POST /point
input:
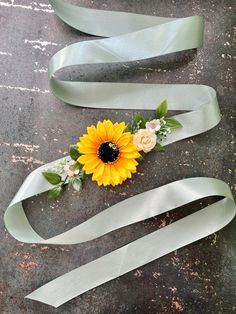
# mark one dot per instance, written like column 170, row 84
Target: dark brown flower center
column 108, row 152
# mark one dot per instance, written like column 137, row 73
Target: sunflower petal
column 128, row 148
column 129, row 155
column 87, row 158
column 98, row 172
column 121, row 181
column 118, row 130
column 107, row 175
column 129, row 164
column 90, row 165
column 99, row 182
column 83, row 149
column 93, row 133
column 87, row 171
column 115, row 175
column 125, row 139
column 109, row 130
column 129, row 175
column 121, row 170
column 88, row 141
column 102, row 130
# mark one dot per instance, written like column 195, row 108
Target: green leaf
column 128, row 128
column 52, row 177
column 172, row 123
column 162, row 110
column 55, row 192
column 77, row 166
column 77, row 184
column 82, row 174
column 140, row 120
column 141, row 158
column 158, row 148
column 74, row 154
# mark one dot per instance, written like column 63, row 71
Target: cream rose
column 153, row 125
column 145, row 140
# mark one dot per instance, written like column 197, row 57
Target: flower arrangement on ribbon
column 110, row 152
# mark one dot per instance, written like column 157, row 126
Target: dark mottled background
column 36, row 128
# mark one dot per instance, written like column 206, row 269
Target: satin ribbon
column 134, row 209
column 136, row 37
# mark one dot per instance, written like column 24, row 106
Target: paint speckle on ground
column 28, row 266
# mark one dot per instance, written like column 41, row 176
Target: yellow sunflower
column 108, row 153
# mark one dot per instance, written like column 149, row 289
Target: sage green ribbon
column 133, row 37
column 137, row 37
column 134, row 209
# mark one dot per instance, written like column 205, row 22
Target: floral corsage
column 110, row 151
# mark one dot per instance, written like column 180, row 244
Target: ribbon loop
column 136, row 254
column 150, row 37
column 132, row 210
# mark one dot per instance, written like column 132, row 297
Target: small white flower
column 163, row 121
column 145, row 140
column 69, row 168
column 153, row 125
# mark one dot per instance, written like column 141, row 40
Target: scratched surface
column 36, row 128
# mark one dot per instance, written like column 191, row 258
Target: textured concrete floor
column 36, row 128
